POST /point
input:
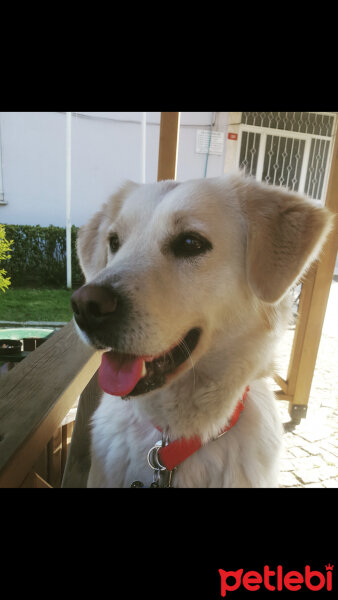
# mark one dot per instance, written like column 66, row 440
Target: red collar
column 177, row 451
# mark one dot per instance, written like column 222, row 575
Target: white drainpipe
column 143, row 147
column 2, row 195
column 68, row 198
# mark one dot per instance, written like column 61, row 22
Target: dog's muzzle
column 100, row 312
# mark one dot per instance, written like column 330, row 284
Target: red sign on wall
column 232, row 136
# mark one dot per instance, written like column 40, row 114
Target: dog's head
column 172, row 266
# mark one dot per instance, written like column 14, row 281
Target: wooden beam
column 67, row 434
column 313, row 302
column 79, row 459
column 36, row 395
column 280, row 395
column 281, row 382
column 167, row 155
column 33, row 480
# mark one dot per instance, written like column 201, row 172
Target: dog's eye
column 190, row 244
column 114, row 242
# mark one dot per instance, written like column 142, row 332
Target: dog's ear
column 285, row 234
column 92, row 246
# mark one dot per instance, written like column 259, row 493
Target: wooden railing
column 35, row 397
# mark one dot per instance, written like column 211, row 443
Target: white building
column 292, row 149
column 105, row 151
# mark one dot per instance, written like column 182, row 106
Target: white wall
column 106, row 151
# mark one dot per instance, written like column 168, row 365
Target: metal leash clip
column 161, row 476
column 153, row 458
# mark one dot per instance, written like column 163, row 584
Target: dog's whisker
column 171, row 359
column 185, row 348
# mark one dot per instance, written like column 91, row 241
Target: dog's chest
column 120, row 444
column 244, row 457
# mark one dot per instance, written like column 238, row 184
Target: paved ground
column 310, row 453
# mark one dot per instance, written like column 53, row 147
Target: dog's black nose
column 93, row 305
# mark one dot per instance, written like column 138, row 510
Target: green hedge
column 38, row 256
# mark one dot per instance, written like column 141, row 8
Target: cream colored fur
column 263, row 239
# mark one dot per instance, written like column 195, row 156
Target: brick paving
column 310, row 450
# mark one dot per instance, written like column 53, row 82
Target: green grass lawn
column 26, row 304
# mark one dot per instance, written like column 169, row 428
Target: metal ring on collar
column 153, row 459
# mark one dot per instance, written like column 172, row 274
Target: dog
column 187, row 292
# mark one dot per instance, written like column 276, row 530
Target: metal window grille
column 302, row 122
column 288, row 148
column 249, row 152
column 283, row 161
column 316, row 168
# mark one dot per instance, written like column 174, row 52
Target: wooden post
column 54, row 448
column 79, row 459
column 167, row 155
column 312, row 308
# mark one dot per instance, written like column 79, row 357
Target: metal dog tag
column 166, row 478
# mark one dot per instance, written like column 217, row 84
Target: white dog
column 186, row 294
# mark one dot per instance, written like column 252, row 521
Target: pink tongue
column 119, row 373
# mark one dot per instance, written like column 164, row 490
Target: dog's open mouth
column 131, row 375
